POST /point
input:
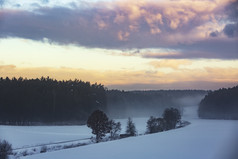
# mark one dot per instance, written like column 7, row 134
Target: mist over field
column 150, row 103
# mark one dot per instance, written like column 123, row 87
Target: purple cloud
column 182, row 26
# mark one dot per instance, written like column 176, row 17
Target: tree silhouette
column 44, row 100
column 155, row 125
column 130, row 129
column 220, row 104
column 99, row 123
column 172, row 117
column 115, row 129
column 5, row 149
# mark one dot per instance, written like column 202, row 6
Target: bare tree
column 115, row 129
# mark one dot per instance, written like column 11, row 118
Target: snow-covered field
column 202, row 139
column 25, row 136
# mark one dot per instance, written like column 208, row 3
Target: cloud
column 231, row 30
column 44, row 1
column 2, row 2
column 7, row 67
column 129, row 25
column 214, row 34
column 174, row 64
column 161, row 55
column 212, row 48
column 130, row 77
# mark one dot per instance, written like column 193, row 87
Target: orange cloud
column 123, row 36
column 100, row 22
column 176, row 13
column 7, row 67
column 174, row 64
column 129, row 77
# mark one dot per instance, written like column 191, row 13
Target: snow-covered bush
column 5, row 149
column 24, row 153
column 43, row 149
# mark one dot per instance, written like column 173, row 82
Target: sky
column 122, row 44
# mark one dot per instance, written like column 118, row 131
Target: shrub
column 5, row 149
column 43, row 149
column 24, row 153
column 155, row 125
column 115, row 129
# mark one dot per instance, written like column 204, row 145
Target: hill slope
column 206, row 139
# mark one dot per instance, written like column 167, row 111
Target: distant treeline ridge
column 47, row 100
column 220, row 104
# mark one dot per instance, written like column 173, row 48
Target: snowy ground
column 26, row 136
column 202, row 139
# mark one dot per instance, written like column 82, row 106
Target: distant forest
column 220, row 104
column 48, row 101
column 123, row 104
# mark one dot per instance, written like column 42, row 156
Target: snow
column 23, row 136
column 202, row 139
column 206, row 139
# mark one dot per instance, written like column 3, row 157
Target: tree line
column 220, row 104
column 101, row 125
column 25, row 101
column 48, row 101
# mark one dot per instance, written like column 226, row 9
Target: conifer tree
column 131, row 129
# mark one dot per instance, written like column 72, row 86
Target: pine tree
column 131, row 129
